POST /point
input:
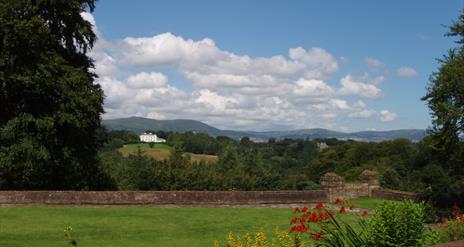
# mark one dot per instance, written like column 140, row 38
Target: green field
column 134, row 226
column 140, row 226
column 162, row 151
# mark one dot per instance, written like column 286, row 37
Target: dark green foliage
column 198, row 143
column 445, row 98
column 49, row 106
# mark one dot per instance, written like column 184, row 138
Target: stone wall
column 161, row 197
column 336, row 187
column 393, row 194
column 333, row 185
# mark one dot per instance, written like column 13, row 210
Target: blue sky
column 272, row 65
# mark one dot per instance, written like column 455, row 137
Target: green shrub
column 397, row 224
column 391, row 224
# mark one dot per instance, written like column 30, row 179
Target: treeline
column 241, row 165
column 279, row 165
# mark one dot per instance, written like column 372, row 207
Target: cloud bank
column 228, row 90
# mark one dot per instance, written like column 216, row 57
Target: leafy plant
column 281, row 239
column 338, row 233
column 68, row 236
column 397, row 224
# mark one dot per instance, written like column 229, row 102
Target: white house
column 322, row 145
column 149, row 137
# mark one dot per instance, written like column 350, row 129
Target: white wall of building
column 149, row 137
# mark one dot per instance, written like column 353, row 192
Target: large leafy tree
column 49, row 104
column 445, row 98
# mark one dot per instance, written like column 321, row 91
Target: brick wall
column 160, row 197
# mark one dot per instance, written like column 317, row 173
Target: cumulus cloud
column 405, row 71
column 351, row 86
column 229, row 90
column 147, row 80
column 313, row 88
column 387, row 116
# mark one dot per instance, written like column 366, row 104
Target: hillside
column 139, row 125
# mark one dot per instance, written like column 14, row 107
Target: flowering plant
column 313, row 221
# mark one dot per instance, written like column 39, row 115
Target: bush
column 397, row 224
column 392, row 224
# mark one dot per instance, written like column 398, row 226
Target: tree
column 49, row 104
column 445, row 96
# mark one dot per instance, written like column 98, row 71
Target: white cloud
column 405, row 71
column 350, row 86
column 228, row 90
column 312, row 88
column 147, row 80
column 387, row 116
column 375, row 65
column 215, row 101
column 339, row 104
column 319, row 62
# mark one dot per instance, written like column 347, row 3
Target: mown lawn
column 139, row 226
column 133, row 226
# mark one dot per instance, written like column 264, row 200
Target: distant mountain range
column 140, row 125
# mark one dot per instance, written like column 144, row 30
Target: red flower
column 342, row 210
column 296, row 210
column 365, row 213
column 317, row 236
column 319, row 206
column 293, row 229
column 304, row 209
column 294, row 220
column 352, row 207
column 339, row 201
column 300, row 228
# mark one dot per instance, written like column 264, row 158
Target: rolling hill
column 139, row 125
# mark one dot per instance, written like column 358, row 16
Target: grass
column 140, row 226
column 367, row 203
column 134, row 226
column 162, row 151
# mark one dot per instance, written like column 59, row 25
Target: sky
column 272, row 65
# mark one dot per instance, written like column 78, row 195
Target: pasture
column 161, row 151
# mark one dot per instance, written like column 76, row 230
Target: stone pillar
column 334, row 186
column 372, row 178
